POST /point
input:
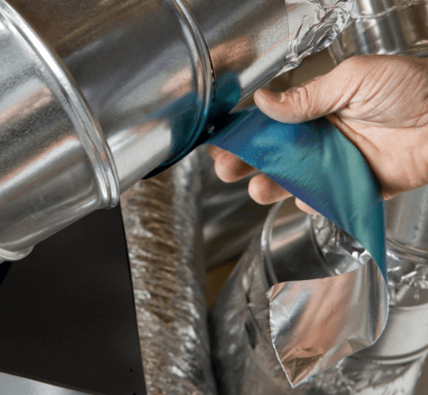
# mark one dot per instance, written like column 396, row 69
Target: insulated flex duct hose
column 163, row 231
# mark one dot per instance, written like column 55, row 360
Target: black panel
column 67, row 311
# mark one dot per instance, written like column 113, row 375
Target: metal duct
column 230, row 218
column 244, row 357
column 397, row 27
column 154, row 73
column 163, row 230
column 384, row 27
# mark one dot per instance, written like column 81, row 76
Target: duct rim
column 6, row 255
column 204, row 72
column 86, row 125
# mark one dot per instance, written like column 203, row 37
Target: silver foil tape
column 162, row 224
column 354, row 376
column 313, row 26
column 246, row 346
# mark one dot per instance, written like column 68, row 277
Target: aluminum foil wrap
column 355, row 376
column 384, row 27
column 251, row 340
column 162, row 224
column 313, row 26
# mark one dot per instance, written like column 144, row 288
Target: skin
column 379, row 103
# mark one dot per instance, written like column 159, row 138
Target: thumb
column 323, row 95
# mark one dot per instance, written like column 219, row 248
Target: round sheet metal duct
column 153, row 72
column 301, row 247
column 384, row 27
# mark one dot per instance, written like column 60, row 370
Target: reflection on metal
column 298, row 248
column 154, row 72
column 384, row 27
column 230, row 218
column 162, row 224
column 406, row 335
column 14, row 385
column 46, row 129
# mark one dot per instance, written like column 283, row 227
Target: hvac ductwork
column 385, row 27
column 153, row 73
column 163, row 232
column 303, row 247
column 394, row 363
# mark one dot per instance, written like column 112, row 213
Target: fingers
column 316, row 98
column 304, row 207
column 229, row 167
column 265, row 191
column 261, row 188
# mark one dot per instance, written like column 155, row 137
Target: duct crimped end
column 55, row 166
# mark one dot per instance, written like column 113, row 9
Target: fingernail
column 273, row 97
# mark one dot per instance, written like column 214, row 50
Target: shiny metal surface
column 407, row 221
column 55, row 165
column 163, row 229
column 384, row 27
column 255, row 41
column 406, row 334
column 14, row 385
column 230, row 218
column 143, row 66
column 317, row 321
column 248, row 334
column 354, row 376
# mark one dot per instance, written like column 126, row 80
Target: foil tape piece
column 162, row 224
column 317, row 164
column 313, row 26
column 354, row 376
column 314, row 323
column 244, row 357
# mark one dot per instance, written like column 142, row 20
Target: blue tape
column 317, row 164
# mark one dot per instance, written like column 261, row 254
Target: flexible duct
column 153, row 72
column 163, row 231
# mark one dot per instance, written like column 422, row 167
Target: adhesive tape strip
column 317, row 164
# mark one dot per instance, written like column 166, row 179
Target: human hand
column 379, row 103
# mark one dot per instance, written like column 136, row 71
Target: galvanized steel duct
column 384, row 27
column 153, row 73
